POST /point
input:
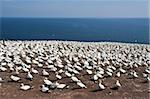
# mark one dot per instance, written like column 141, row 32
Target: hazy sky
column 74, row 8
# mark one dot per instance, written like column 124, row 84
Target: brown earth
column 131, row 88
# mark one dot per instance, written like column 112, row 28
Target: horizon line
column 75, row 17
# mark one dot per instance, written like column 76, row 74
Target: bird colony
column 72, row 60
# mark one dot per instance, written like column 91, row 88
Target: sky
column 75, row 8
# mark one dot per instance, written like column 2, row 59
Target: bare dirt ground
column 131, row 88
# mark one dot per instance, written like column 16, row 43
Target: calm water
column 122, row 30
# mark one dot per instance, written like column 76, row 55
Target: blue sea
column 131, row 30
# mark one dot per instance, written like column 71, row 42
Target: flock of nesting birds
column 99, row 60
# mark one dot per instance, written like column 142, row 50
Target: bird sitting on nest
column 25, row 87
column 82, row 85
column 45, row 73
column 146, row 78
column 47, row 82
column 116, row 85
column 29, row 76
column 101, row 86
column 34, row 71
column 45, row 89
column 14, row 78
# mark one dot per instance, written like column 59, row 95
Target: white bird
column 50, row 61
column 34, row 71
column 25, row 87
column 89, row 71
column 101, row 86
column 109, row 73
column 95, row 77
column 28, row 66
column 3, row 63
column 58, row 76
column 75, row 79
column 67, row 74
column 144, row 75
column 89, row 67
column 19, row 67
column 109, row 70
column 44, row 89
column 53, row 69
column 101, row 71
column 47, row 82
column 61, row 86
column 14, row 78
column 114, row 68
column 1, row 80
column 86, row 63
column 3, row 69
column 116, row 85
column 75, row 71
column 122, row 70
column 29, row 76
column 40, row 65
column 78, row 67
column 25, row 69
column 28, row 61
column 35, row 62
column 60, row 71
column 99, row 75
column 147, row 71
column 79, row 83
column 11, row 69
column 118, row 74
column 50, row 66
column 45, row 73
column 69, row 69
column 135, row 74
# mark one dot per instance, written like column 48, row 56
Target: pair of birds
column 114, row 86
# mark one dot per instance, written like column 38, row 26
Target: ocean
column 128, row 30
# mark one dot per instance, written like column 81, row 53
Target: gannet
column 99, row 75
column 116, row 85
column 78, row 67
column 47, row 82
column 67, row 74
column 60, row 71
column 101, row 86
column 61, row 86
column 3, row 69
column 34, row 71
column 29, row 76
column 58, row 76
column 89, row 71
column 75, row 79
column 25, row 87
column 45, row 89
column 1, row 80
column 118, row 74
column 25, row 69
column 50, row 66
column 147, row 71
column 79, row 83
column 109, row 73
column 45, row 73
column 14, row 78
column 122, row 70
column 75, row 71
column 95, row 77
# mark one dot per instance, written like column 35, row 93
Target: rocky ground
column 130, row 89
